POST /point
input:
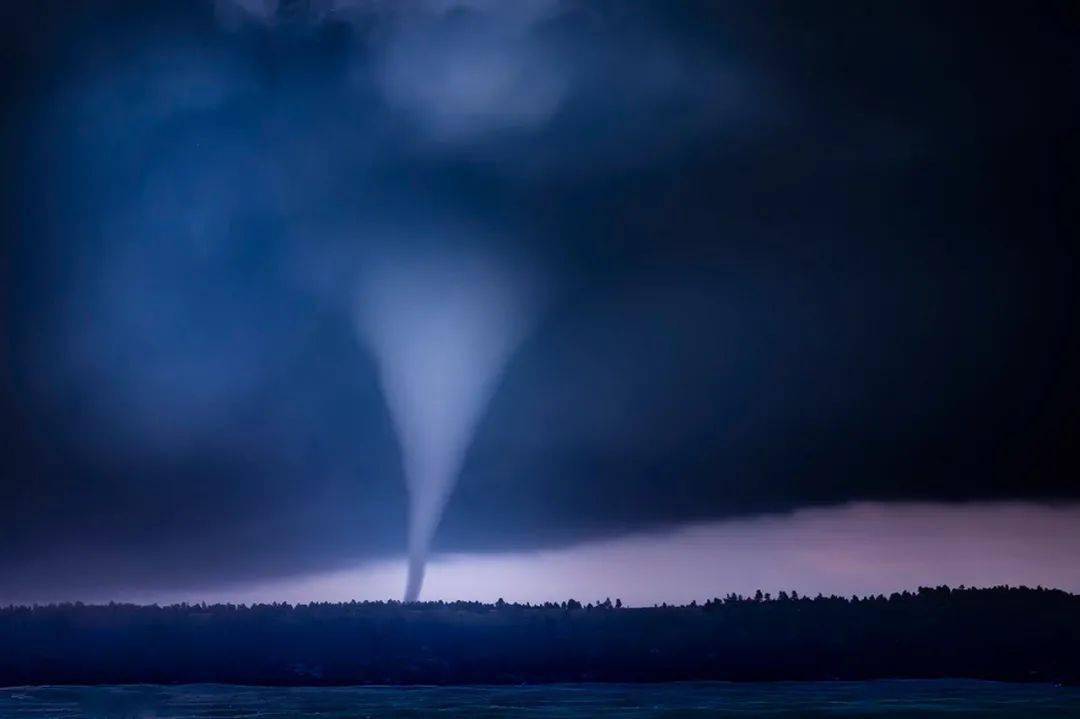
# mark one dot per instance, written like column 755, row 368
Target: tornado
column 441, row 330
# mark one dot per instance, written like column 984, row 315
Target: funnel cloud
column 441, row 330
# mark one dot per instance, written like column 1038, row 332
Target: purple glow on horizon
column 861, row 548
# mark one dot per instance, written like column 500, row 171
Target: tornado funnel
column 441, row 330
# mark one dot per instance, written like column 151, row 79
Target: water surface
column 954, row 699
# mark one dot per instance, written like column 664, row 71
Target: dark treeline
column 1002, row 633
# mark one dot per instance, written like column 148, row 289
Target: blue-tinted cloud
column 801, row 256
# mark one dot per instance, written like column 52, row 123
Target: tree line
column 1002, row 633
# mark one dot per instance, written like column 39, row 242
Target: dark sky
column 792, row 254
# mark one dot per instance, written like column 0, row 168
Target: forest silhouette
column 1002, row 633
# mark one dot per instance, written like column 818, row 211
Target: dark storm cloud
column 797, row 254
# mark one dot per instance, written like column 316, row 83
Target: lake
column 944, row 698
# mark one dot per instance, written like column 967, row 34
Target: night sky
column 735, row 270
